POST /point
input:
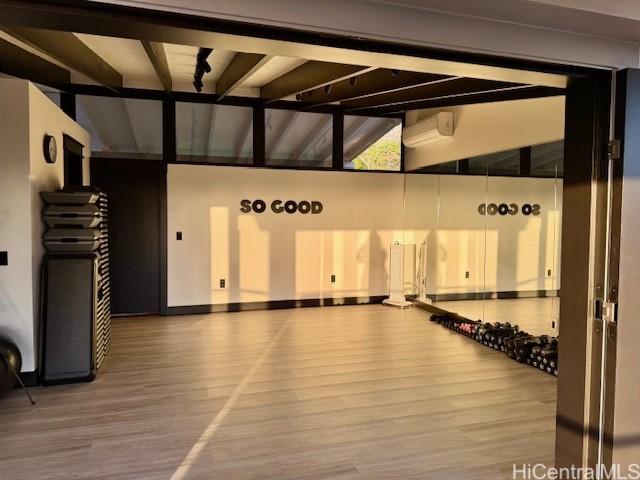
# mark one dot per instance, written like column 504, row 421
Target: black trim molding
column 427, row 307
column 449, row 297
column 332, row 302
column 273, row 305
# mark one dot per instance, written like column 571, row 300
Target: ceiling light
column 202, row 67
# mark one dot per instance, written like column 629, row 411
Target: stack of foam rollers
column 540, row 352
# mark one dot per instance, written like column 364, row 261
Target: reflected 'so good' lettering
column 505, row 209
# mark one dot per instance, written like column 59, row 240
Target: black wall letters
column 279, row 206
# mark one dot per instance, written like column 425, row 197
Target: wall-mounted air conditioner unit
column 430, row 130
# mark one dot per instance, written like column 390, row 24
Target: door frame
column 584, row 226
column 587, row 121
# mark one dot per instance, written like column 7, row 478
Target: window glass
column 547, row 160
column 500, row 163
column 446, row 167
column 372, row 143
column 214, row 133
column 122, row 127
column 299, row 139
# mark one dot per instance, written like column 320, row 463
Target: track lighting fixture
column 202, row 67
column 395, row 73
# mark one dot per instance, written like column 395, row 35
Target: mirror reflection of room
column 484, row 209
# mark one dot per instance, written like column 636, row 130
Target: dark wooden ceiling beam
column 69, row 50
column 241, row 67
column 158, row 58
column 381, row 80
column 447, row 87
column 309, row 75
column 498, row 95
column 20, row 63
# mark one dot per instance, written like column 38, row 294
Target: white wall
column 27, row 115
column 278, row 256
column 16, row 307
column 271, row 256
column 490, row 127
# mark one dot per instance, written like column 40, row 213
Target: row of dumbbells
column 543, row 354
column 538, row 351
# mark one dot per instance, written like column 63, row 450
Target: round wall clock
column 50, row 148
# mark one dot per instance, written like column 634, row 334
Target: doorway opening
column 499, row 223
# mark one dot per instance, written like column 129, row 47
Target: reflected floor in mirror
column 534, row 315
column 358, row 392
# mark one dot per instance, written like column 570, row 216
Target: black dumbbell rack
column 540, row 352
column 76, row 287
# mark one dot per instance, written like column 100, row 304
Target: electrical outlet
column 333, row 279
column 466, row 274
column 178, row 235
column 4, row 258
column 222, row 283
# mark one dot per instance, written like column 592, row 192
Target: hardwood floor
column 359, row 392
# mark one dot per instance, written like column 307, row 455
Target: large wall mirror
column 487, row 235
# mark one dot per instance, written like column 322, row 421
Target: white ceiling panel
column 219, row 60
column 181, row 60
column 127, row 56
column 182, row 65
column 275, row 67
column 128, row 127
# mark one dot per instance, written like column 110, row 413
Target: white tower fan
column 396, row 278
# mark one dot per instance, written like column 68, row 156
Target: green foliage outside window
column 384, row 154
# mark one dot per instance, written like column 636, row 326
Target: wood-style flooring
column 345, row 393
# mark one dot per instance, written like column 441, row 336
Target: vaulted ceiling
column 68, row 47
column 261, row 68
